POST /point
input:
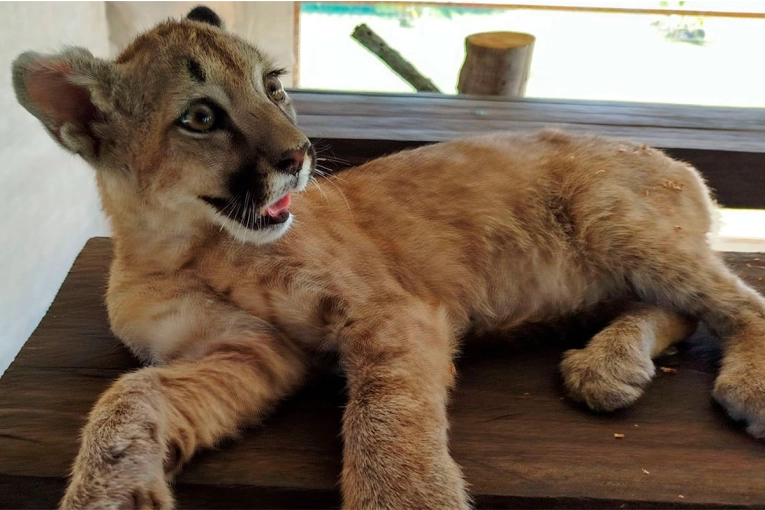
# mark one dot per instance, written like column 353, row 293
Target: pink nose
column 292, row 161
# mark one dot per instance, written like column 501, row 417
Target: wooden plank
column 520, row 442
column 436, row 130
column 736, row 178
column 75, row 331
column 568, row 111
column 30, row 492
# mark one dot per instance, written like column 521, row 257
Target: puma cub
column 229, row 274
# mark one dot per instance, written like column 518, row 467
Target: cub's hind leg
column 646, row 225
column 699, row 284
column 613, row 369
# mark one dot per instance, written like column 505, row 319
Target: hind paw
column 740, row 389
column 605, row 383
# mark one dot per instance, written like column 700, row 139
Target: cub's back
column 482, row 220
column 524, row 184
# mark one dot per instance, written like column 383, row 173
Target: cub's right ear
column 70, row 93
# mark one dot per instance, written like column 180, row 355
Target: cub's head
column 189, row 128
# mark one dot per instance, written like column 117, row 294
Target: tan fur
column 388, row 266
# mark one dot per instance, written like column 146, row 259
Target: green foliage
column 666, row 4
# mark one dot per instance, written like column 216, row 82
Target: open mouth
column 278, row 212
column 245, row 214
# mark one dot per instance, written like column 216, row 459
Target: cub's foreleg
column 396, row 456
column 151, row 421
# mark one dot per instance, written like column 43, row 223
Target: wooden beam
column 296, row 45
column 429, row 118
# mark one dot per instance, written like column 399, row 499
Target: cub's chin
column 261, row 234
column 250, row 225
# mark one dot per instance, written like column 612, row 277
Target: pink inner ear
column 59, row 100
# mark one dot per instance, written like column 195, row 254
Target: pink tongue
column 279, row 207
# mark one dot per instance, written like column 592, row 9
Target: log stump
column 496, row 64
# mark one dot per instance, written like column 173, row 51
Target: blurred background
column 583, row 50
column 693, row 52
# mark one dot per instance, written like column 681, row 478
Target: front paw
column 120, row 469
column 605, row 382
column 131, row 494
column 740, row 389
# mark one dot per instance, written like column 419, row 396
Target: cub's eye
column 200, row 117
column 275, row 89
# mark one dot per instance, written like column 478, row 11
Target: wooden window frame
column 527, row 6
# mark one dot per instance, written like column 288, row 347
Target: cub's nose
column 292, row 161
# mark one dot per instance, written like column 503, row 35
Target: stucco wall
column 268, row 25
column 48, row 201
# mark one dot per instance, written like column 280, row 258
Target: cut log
column 496, row 64
column 390, row 57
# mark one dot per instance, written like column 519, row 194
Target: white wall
column 268, row 25
column 48, row 201
column 271, row 27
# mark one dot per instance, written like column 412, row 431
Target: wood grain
column 711, row 118
column 520, row 442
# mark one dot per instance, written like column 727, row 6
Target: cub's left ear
column 204, row 14
column 70, row 94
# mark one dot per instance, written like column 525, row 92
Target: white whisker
column 245, row 215
column 316, row 183
column 347, row 204
column 326, row 172
column 234, row 213
column 334, row 160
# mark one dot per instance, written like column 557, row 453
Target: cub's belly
column 536, row 290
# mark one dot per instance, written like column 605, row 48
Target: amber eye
column 199, row 117
column 275, row 89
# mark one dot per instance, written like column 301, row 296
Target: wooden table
column 520, row 441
